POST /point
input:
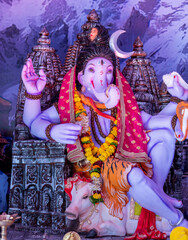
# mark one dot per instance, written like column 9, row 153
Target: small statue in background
column 93, row 34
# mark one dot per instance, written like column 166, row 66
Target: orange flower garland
column 92, row 153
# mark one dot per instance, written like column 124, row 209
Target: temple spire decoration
column 37, row 180
column 142, row 79
column 43, row 57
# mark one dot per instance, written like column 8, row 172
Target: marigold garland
column 96, row 156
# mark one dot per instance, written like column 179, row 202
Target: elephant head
column 96, row 78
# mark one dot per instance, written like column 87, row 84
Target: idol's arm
column 37, row 121
column 66, row 133
column 178, row 88
column 32, row 109
column 34, row 85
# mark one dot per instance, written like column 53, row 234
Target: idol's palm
column 34, row 84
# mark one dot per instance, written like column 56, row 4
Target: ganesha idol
column 97, row 117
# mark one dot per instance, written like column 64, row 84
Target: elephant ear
column 182, row 114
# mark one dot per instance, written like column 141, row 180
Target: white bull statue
column 94, row 219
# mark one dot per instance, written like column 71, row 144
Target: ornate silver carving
column 58, row 222
column 60, row 198
column 59, row 174
column 46, row 174
column 44, row 220
column 47, row 203
column 32, row 173
column 29, row 219
column 16, row 197
column 17, row 174
column 38, row 184
column 32, row 198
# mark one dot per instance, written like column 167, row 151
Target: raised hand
column 176, row 86
column 33, row 83
column 66, row 133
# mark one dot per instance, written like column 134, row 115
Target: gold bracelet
column 48, row 129
column 33, row 97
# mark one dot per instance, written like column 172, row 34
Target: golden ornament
column 71, row 236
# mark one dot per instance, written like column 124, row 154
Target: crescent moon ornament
column 114, row 47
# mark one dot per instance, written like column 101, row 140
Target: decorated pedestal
column 37, row 185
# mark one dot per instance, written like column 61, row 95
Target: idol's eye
column 85, row 197
column 109, row 70
column 91, row 70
